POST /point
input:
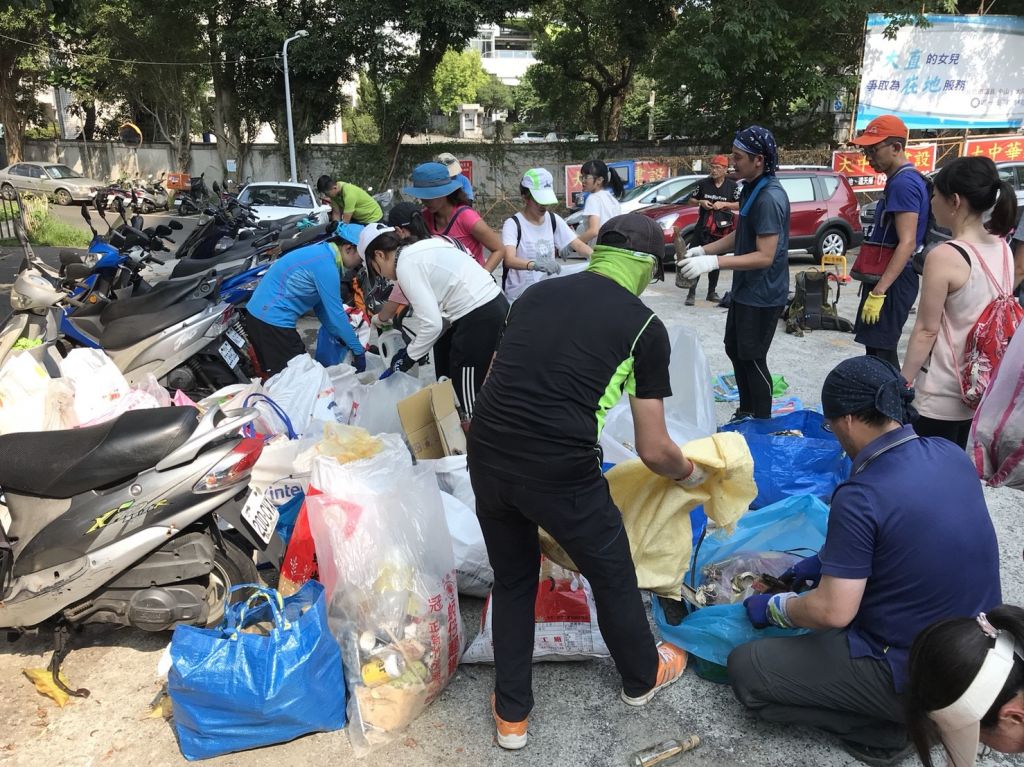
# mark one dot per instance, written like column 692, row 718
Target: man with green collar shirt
column 570, row 348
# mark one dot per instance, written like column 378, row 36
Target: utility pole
column 288, row 105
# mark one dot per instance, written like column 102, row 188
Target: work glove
column 766, row 610
column 694, row 478
column 694, row 266
column 872, row 308
column 548, row 265
column 400, row 362
column 696, row 250
column 359, row 362
column 807, row 570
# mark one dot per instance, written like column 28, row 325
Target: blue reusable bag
column 330, row 350
column 787, row 466
column 713, row 632
column 233, row 691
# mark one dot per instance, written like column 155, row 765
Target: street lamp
column 288, row 103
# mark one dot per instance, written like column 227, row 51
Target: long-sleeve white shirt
column 443, row 284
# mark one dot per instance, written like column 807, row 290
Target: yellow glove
column 872, row 308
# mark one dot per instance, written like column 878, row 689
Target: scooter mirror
column 137, row 221
column 216, row 188
column 119, row 204
column 175, row 225
column 85, row 214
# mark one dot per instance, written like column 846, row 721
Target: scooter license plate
column 236, row 337
column 260, row 515
column 228, row 354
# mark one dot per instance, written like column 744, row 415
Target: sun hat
column 451, row 162
column 541, row 186
column 431, row 180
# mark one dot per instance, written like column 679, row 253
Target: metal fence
column 10, row 215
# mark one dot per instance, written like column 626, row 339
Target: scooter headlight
column 33, row 291
column 91, row 259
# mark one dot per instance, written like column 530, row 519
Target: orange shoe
column 511, row 735
column 671, row 665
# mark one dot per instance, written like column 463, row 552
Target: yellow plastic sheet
column 656, row 511
column 42, row 678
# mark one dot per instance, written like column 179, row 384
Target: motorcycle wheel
column 231, row 567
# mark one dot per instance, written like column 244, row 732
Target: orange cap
column 881, row 128
column 720, row 159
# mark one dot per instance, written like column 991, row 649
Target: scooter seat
column 160, row 296
column 72, row 256
column 190, row 266
column 126, row 331
column 62, row 464
column 303, row 238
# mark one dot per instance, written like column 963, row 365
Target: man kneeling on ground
column 909, row 542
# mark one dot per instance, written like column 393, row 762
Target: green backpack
column 810, row 307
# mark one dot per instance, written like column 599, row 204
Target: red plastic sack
column 299, row 563
column 996, row 444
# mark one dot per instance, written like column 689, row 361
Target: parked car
column 1012, row 172
column 823, row 214
column 656, row 192
column 529, row 137
column 586, row 137
column 556, row 136
column 54, row 180
column 276, row 200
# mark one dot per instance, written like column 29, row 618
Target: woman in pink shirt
column 447, row 212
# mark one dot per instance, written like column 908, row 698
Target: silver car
column 53, row 180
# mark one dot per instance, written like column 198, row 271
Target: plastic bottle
column 664, row 752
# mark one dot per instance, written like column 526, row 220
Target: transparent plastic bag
column 730, row 580
column 385, row 559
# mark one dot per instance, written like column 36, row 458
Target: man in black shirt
column 570, row 348
column 718, row 198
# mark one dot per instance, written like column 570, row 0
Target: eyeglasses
column 870, row 151
column 657, row 270
column 585, row 176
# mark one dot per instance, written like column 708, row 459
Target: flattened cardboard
column 430, row 419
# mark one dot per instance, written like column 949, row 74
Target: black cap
column 631, row 231
column 401, row 214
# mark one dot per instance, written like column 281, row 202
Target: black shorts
column 749, row 330
column 274, row 346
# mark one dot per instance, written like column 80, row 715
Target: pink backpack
column 987, row 341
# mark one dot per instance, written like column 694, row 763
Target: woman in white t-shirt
column 604, row 188
column 533, row 236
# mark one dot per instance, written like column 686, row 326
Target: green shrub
column 45, row 229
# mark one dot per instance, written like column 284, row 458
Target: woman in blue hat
column 447, row 212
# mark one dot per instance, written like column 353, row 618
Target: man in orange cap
column 717, row 197
column 900, row 226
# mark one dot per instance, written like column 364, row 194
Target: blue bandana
column 860, row 383
column 757, row 140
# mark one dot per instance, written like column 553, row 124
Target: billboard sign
column 958, row 72
column 998, row 149
column 862, row 178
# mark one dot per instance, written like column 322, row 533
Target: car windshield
column 276, row 196
column 61, row 171
column 683, row 193
column 636, row 191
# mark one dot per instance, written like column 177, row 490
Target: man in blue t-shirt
column 760, row 287
column 909, row 542
column 900, row 223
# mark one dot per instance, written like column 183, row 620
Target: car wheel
column 63, row 197
column 831, row 242
column 8, row 193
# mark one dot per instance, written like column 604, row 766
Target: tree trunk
column 14, row 130
column 615, row 115
column 600, row 116
column 89, row 125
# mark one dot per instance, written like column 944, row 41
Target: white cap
column 370, row 233
column 451, row 162
column 541, row 186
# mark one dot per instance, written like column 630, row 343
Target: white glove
column 696, row 250
column 694, row 478
column 694, row 266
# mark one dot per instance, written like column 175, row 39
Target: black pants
column 464, row 351
column 587, row 524
column 274, row 346
column 954, row 431
column 749, row 331
column 812, row 680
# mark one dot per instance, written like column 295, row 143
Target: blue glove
column 807, row 570
column 766, row 610
column 359, row 362
column 401, row 362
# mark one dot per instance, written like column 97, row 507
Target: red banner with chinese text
column 467, row 169
column 998, row 149
column 855, row 167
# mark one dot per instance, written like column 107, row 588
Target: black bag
column 720, row 223
column 810, row 307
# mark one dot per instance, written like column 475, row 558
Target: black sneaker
column 877, row 757
column 739, row 416
column 689, row 300
column 714, row 297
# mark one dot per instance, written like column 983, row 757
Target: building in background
column 506, row 51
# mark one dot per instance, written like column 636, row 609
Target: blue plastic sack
column 233, row 690
column 713, row 632
column 786, row 466
column 288, row 515
column 330, row 350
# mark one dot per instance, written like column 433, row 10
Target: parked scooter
column 194, row 199
column 118, row 523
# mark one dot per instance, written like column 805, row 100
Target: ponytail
column 944, row 660
column 617, row 186
column 417, row 228
column 608, row 176
column 1004, row 214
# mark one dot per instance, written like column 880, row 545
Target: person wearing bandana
column 909, row 542
column 758, row 251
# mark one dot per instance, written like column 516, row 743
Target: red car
column 824, row 216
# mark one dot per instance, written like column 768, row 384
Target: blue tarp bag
column 330, row 351
column 786, row 466
column 711, row 633
column 233, row 690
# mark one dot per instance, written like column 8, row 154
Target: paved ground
column 578, row 719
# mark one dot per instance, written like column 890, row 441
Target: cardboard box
column 430, row 419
